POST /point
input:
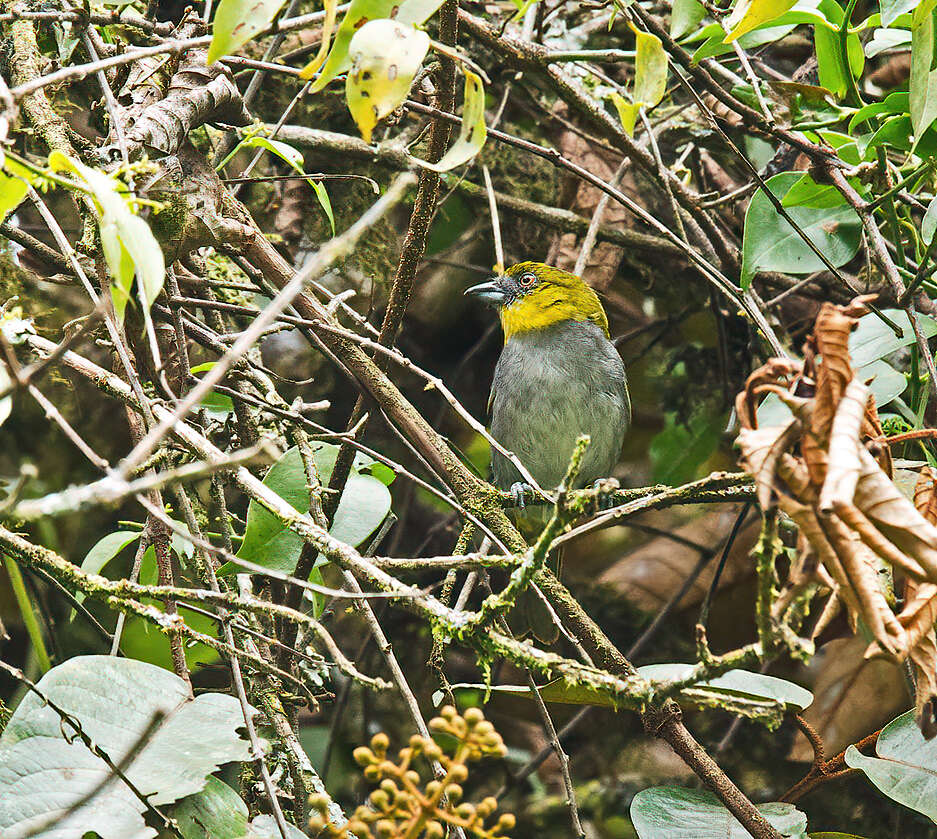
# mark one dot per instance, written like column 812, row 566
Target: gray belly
column 550, row 387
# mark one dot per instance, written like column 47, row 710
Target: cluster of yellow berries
column 405, row 806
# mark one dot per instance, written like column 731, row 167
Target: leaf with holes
column 472, row 134
column 142, row 717
column 358, row 14
column 236, row 22
column 385, row 57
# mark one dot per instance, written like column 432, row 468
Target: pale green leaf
column 128, row 243
column 472, row 133
column 385, row 57
column 872, row 339
column 650, row 69
column 678, row 813
column 685, row 16
column 12, row 191
column 45, row 769
column 741, row 684
column 236, row 22
column 892, row 9
column 929, row 223
column 923, row 81
column 906, row 766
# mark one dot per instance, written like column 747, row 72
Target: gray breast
column 550, row 386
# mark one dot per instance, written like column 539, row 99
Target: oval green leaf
column 678, row 813
column 770, row 243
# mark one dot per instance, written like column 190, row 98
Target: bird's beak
column 491, row 292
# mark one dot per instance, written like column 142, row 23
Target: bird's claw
column 519, row 491
column 605, row 493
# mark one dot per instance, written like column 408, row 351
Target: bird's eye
column 527, row 280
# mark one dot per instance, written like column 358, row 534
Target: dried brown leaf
column 852, row 695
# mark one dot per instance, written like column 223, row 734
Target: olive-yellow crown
column 531, row 295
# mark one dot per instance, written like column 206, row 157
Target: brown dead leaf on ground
column 829, row 470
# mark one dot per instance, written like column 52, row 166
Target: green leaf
column 685, row 16
column 216, row 811
column 103, row 551
column 473, row 132
column 293, row 157
column 45, row 769
column 678, row 813
column 769, row 242
column 906, row 766
column 322, row 196
column 894, row 103
column 832, row 67
column 887, row 382
column 236, row 22
column 872, row 339
column 363, row 506
column 749, row 14
column 891, row 9
column 650, row 69
column 929, row 223
column 827, row 835
column 736, row 683
column 12, row 190
column 385, row 57
column 923, row 81
column 359, row 13
column 218, row 405
column 806, row 192
column 627, row 112
column 678, row 451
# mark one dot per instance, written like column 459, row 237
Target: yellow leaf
column 331, row 7
column 750, row 14
column 473, row 132
column 627, row 112
column 385, row 57
column 650, row 69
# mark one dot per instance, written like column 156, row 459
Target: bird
column 559, row 376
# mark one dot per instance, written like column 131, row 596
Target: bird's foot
column 519, row 491
column 605, row 493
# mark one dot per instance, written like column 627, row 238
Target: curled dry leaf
column 826, row 470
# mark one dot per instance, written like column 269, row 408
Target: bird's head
column 531, row 295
